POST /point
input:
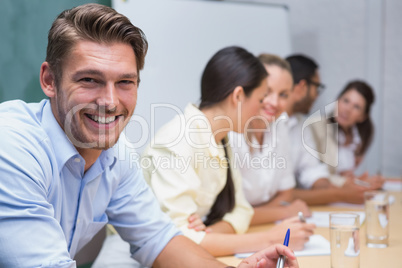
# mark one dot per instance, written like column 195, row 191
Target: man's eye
column 87, row 79
column 126, row 82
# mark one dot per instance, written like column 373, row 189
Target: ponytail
column 225, row 201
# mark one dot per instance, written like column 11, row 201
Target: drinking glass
column 377, row 215
column 344, row 238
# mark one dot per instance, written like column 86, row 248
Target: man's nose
column 108, row 98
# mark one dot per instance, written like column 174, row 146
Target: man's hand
column 296, row 206
column 268, row 257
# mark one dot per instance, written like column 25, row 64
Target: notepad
column 316, row 246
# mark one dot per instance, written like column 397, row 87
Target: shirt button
column 77, row 160
column 78, row 221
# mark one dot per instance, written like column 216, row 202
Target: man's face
column 305, row 104
column 97, row 94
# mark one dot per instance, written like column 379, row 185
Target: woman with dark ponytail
column 190, row 165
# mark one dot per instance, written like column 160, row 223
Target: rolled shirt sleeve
column 182, row 193
column 306, row 163
column 178, row 193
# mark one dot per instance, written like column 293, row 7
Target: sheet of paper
column 317, row 245
column 393, row 185
column 347, row 205
column 321, row 218
column 358, row 206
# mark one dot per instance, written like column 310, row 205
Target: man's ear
column 300, row 89
column 238, row 95
column 47, row 80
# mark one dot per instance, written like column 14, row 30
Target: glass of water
column 345, row 240
column 377, row 215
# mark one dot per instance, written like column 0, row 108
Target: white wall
column 392, row 92
column 352, row 39
column 183, row 36
column 356, row 39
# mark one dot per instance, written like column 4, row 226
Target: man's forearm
column 182, row 252
column 318, row 196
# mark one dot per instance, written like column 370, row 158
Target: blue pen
column 282, row 259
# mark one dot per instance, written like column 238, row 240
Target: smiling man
column 61, row 179
column 95, row 98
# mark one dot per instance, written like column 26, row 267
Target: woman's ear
column 238, row 95
column 47, row 80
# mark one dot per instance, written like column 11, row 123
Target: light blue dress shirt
column 50, row 208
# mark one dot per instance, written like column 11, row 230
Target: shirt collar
column 282, row 119
column 356, row 136
column 200, row 121
column 356, row 140
column 293, row 120
column 283, row 116
column 62, row 146
column 108, row 157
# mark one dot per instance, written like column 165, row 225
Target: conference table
column 369, row 257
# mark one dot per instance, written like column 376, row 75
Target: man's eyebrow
column 130, row 75
column 99, row 73
column 87, row 72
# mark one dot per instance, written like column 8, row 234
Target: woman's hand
column 196, row 223
column 299, row 232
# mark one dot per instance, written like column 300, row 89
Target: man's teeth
column 103, row 119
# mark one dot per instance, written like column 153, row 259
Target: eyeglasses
column 320, row 87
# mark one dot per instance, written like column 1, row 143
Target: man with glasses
column 307, row 86
column 311, row 175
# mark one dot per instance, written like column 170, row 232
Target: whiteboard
column 183, row 35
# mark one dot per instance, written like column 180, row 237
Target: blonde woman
column 264, row 153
